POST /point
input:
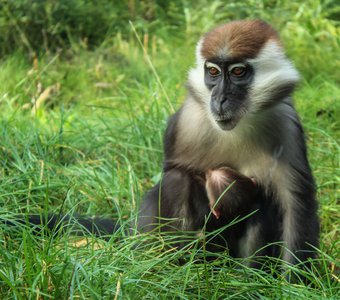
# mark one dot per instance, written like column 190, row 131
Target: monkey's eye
column 213, row 71
column 238, row 70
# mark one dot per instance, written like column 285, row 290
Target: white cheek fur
column 196, row 76
column 196, row 80
column 272, row 71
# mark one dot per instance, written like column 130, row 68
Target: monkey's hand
column 230, row 193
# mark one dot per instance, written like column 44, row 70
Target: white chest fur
column 202, row 145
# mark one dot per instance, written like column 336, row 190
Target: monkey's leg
column 166, row 206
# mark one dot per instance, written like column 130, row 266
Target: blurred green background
column 86, row 90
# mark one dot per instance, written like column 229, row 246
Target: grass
column 94, row 146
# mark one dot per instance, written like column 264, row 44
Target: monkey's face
column 241, row 70
column 229, row 82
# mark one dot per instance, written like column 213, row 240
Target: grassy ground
column 81, row 131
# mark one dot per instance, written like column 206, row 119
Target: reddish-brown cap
column 237, row 39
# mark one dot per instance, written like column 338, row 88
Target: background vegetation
column 84, row 99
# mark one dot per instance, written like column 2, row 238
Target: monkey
column 232, row 198
column 238, row 121
column 239, row 114
column 229, row 193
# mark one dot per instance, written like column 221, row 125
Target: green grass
column 95, row 147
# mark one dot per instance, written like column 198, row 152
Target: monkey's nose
column 217, row 106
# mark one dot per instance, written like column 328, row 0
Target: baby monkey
column 230, row 194
column 232, row 197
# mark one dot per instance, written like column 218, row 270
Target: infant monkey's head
column 230, row 193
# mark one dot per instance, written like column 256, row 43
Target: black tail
column 77, row 225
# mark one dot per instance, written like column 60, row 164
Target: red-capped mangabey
column 230, row 194
column 232, row 197
column 239, row 114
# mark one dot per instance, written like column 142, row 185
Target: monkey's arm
column 300, row 223
column 177, row 202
